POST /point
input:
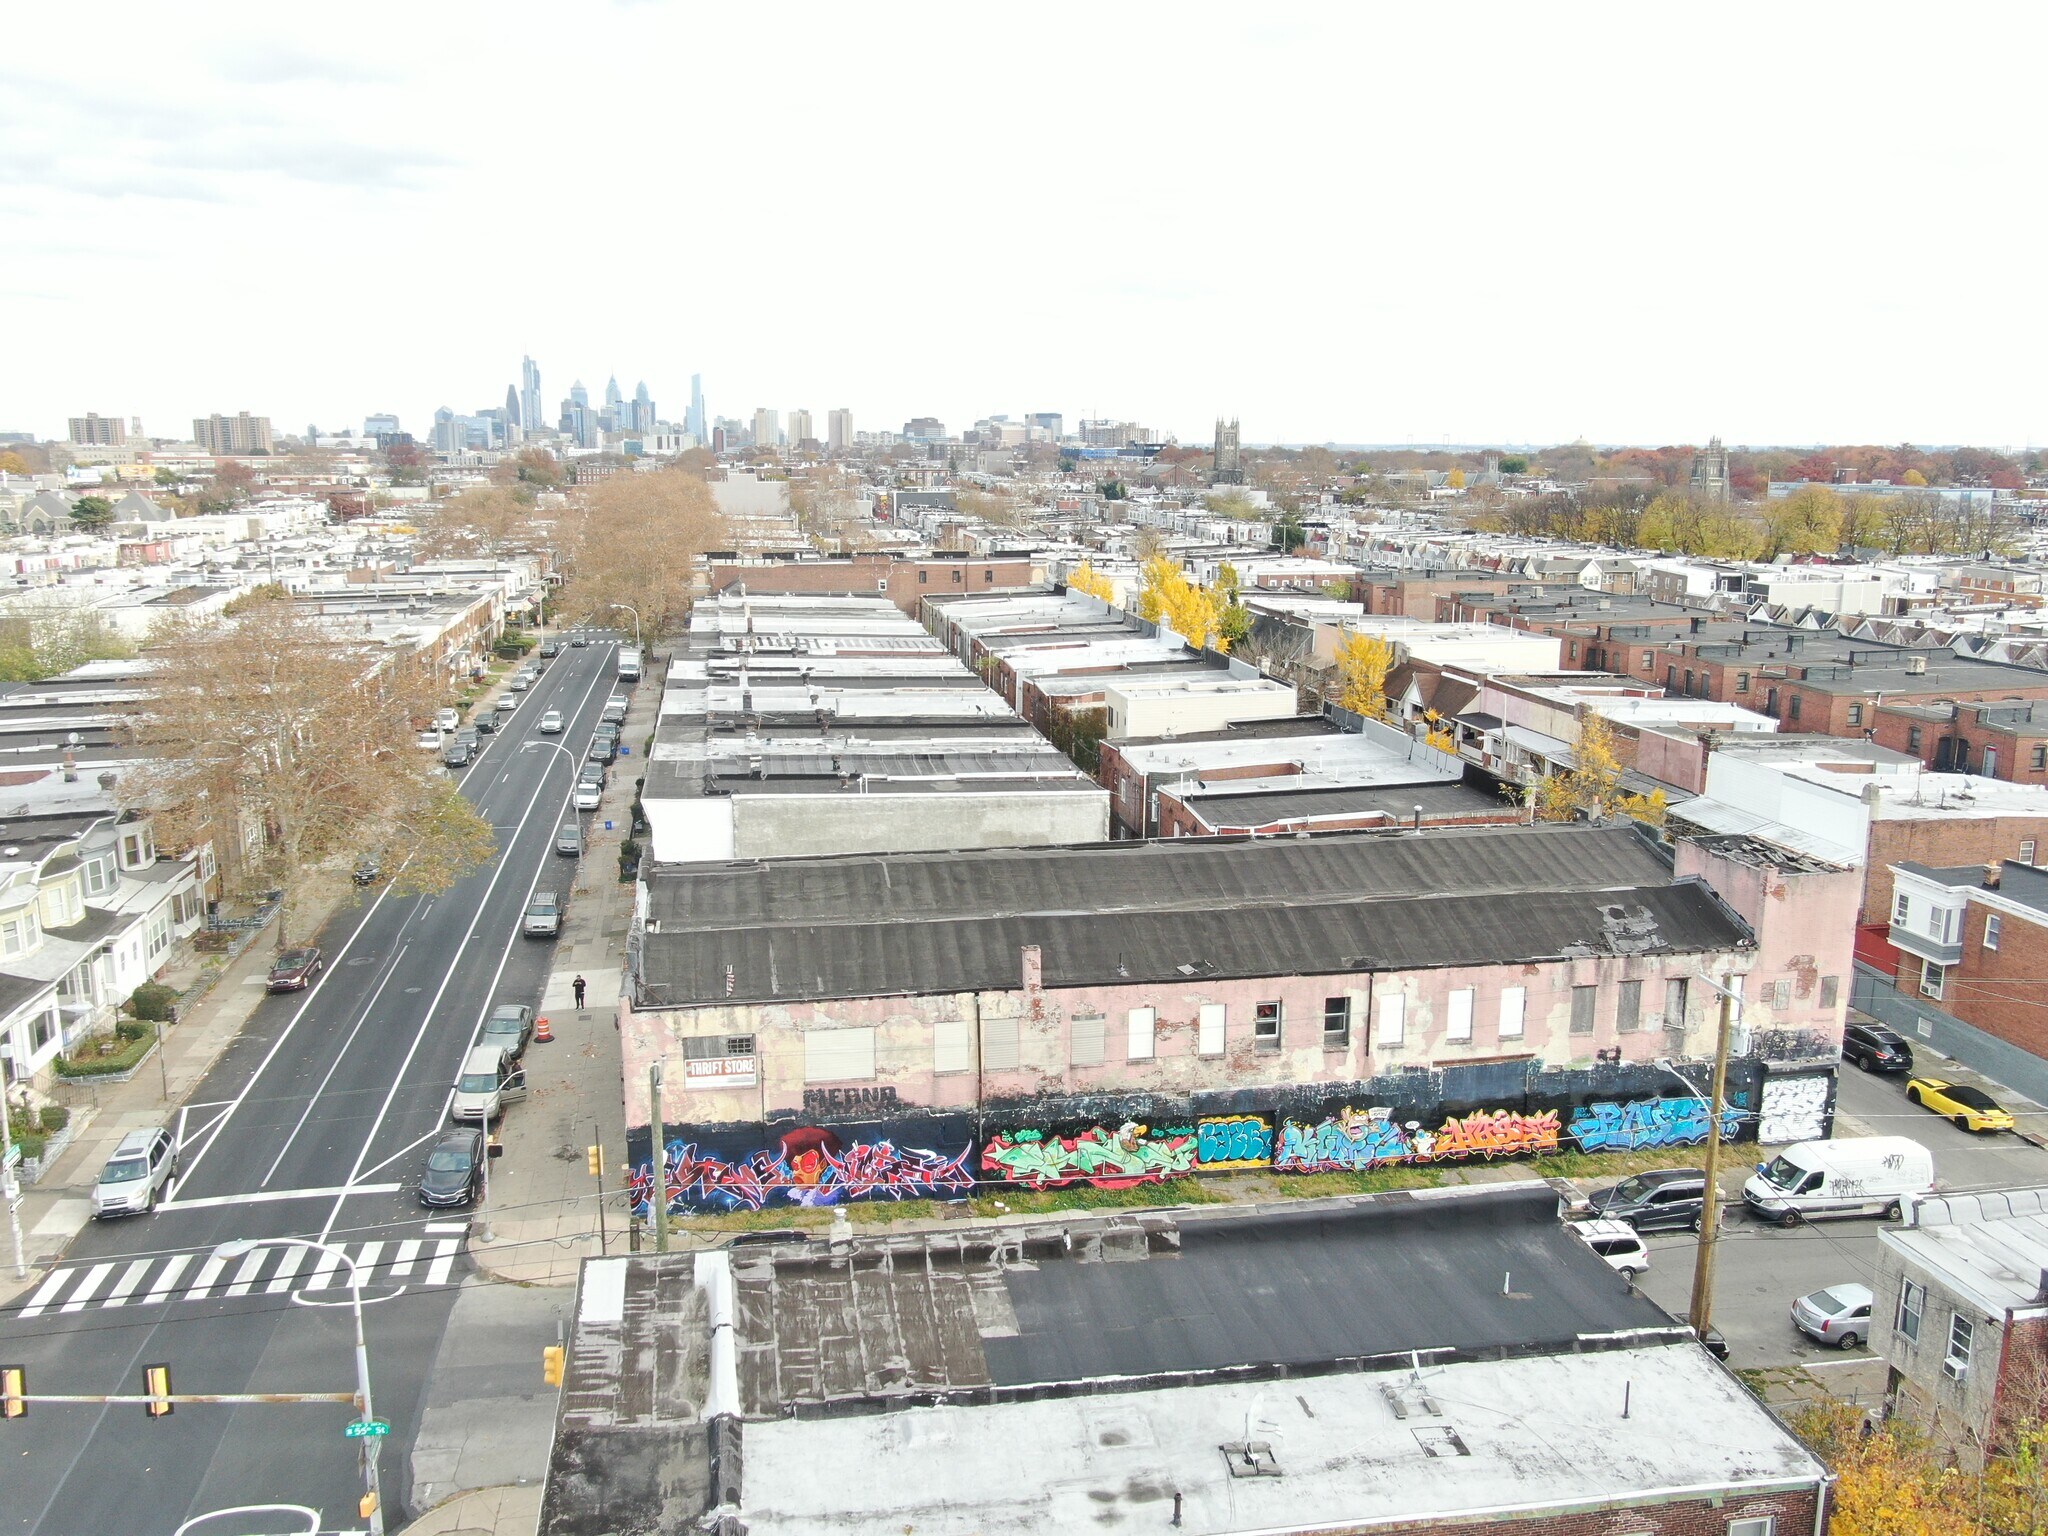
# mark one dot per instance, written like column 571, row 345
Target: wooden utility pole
column 1702, row 1314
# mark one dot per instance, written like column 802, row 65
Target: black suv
column 1876, row 1049
column 1662, row 1199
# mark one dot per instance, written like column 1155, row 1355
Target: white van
column 1862, row 1176
column 490, row 1080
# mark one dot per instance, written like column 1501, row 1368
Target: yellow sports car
column 1971, row 1108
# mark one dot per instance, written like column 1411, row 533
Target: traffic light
column 366, row 1506
column 595, row 1157
column 13, row 1388
column 156, row 1384
column 551, row 1365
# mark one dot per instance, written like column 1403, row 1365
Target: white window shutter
column 1144, row 1023
column 999, row 1045
column 1512, row 1001
column 839, row 1055
column 1085, row 1033
column 1393, row 1019
column 1211, row 1042
column 952, row 1046
column 1458, row 1018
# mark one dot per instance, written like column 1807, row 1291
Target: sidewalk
column 56, row 1209
column 511, row 1511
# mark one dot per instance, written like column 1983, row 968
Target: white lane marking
column 322, row 1268
column 287, row 1267
column 130, row 1278
column 202, row 1283
column 245, row 1277
column 394, row 1157
column 48, row 1289
column 444, row 1260
column 483, row 903
column 267, row 1196
column 366, row 1261
column 444, row 1228
column 83, row 1292
column 340, row 1054
column 167, row 1277
column 407, row 1252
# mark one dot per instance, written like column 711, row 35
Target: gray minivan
column 490, row 1080
column 569, row 841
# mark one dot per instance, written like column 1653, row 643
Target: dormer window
column 19, row 934
column 138, row 847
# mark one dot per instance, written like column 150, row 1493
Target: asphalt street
column 1760, row 1268
column 312, row 1125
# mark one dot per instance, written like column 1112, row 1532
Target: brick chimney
column 1992, row 871
column 1033, row 968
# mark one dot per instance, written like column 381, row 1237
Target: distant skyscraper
column 799, row 427
column 383, row 424
column 97, row 430
column 450, row 433
column 694, row 423
column 1229, row 467
column 1710, row 471
column 578, row 395
column 839, row 430
column 767, row 431
column 515, row 417
column 1052, row 421
column 240, row 433
column 641, row 412
column 529, row 395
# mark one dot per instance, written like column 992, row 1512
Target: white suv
column 134, row 1178
column 1617, row 1243
column 551, row 723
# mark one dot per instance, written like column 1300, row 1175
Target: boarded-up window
column 1393, row 1027
column 839, row 1055
column 952, row 1046
column 1674, row 1003
column 1084, row 1035
column 1830, row 990
column 1211, row 1043
column 1458, row 1016
column 1628, row 1007
column 1512, row 1001
column 1584, row 1001
column 1143, row 1022
column 999, row 1044
column 1781, row 993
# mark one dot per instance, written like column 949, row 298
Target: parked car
column 595, row 773
column 569, row 841
column 368, row 870
column 294, row 969
column 615, row 709
column 428, row 741
column 134, row 1178
column 490, row 1080
column 1617, row 1243
column 487, row 724
column 457, row 754
column 602, row 749
column 506, row 703
column 521, row 682
column 588, row 796
column 1876, row 1049
column 551, row 647
column 543, row 915
column 1972, row 1109
column 455, row 1169
column 579, row 641
column 447, row 719
column 1839, row 1315
column 1860, row 1176
column 1656, row 1200
column 510, row 1028
column 551, row 723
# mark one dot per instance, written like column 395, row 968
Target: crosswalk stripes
column 206, row 1275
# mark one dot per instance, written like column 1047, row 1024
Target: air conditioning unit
column 1916, row 666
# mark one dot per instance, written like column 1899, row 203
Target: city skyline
column 1431, row 277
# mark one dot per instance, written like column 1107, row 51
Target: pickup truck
column 543, row 916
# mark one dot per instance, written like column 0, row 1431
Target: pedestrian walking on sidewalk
column 577, row 987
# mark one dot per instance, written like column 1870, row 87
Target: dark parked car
column 602, row 749
column 295, row 968
column 367, row 872
column 487, row 723
column 455, row 1169
column 1876, row 1049
column 579, row 641
column 1659, row 1200
column 509, row 1027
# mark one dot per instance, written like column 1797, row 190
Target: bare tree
column 634, row 540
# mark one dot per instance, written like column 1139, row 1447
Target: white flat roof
column 1991, row 1245
column 1471, row 1440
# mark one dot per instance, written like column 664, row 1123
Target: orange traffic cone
column 541, row 1032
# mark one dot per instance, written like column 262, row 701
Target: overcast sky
column 1343, row 222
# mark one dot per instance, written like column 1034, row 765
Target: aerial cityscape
column 717, row 824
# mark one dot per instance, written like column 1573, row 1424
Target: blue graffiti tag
column 1236, row 1139
column 1646, row 1123
column 1345, row 1143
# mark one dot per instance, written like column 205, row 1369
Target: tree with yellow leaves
column 1589, row 784
column 1085, row 579
column 1194, row 613
column 1889, row 1481
column 1363, row 662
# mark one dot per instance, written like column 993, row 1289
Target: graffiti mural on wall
column 807, row 1166
column 1794, row 1109
column 1131, row 1154
column 1355, row 1140
column 1646, row 1123
column 1234, row 1141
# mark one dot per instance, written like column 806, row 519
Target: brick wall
column 1945, row 842
column 906, row 583
column 1998, row 990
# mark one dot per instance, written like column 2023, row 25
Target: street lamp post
column 636, row 620
column 372, row 1486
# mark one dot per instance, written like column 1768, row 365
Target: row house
column 1973, row 939
column 930, row 1023
column 2006, row 739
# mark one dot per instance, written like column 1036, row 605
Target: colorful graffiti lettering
column 1646, row 1123
column 1234, row 1141
column 1793, row 1109
column 1354, row 1140
column 809, row 1166
column 1131, row 1154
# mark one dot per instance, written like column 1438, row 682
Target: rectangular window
column 1675, row 998
column 99, row 879
column 999, row 1045
column 1628, row 1008
column 2038, row 758
column 1584, row 1001
column 1796, row 698
column 1956, row 1365
column 1855, row 714
column 1512, row 1000
column 922, row 576
column 2026, row 850
column 1912, row 1302
column 1933, row 979
column 1393, row 1026
column 1991, row 926
column 1830, row 991
column 1336, row 1021
column 1084, row 1039
column 1458, row 1016
column 956, row 576
column 1781, row 994
column 1212, row 1030
column 1742, row 682
column 1753, row 1525
column 952, row 1046
column 1144, row 1024
column 1913, row 738
column 739, row 1045
column 1266, row 1026
column 1649, row 660
column 1901, row 907
column 839, row 1055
